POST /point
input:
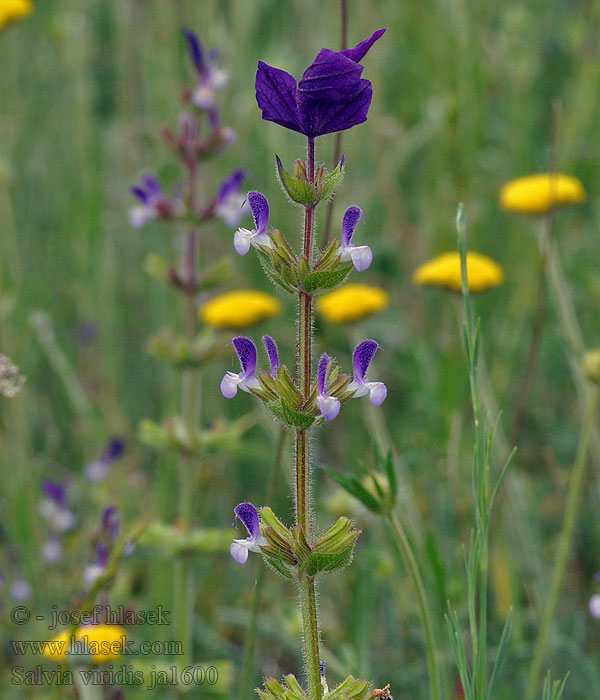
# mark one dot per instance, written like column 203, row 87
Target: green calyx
column 296, row 187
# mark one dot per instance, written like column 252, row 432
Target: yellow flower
column 537, row 194
column 444, row 271
column 239, row 309
column 352, row 302
column 13, row 10
column 103, row 642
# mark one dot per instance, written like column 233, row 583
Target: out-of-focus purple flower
column 271, row 349
column 99, row 468
column 246, row 379
column 331, row 95
column 111, row 522
column 259, row 236
column 210, row 78
column 92, row 572
column 87, row 332
column 239, row 549
column 20, row 590
column 153, row 203
column 361, row 386
column 55, row 507
column 230, row 205
column 328, row 405
column 361, row 255
column 52, row 551
column 595, row 606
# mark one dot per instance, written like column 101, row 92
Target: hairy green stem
column 410, row 562
column 565, row 541
column 308, row 598
column 248, row 674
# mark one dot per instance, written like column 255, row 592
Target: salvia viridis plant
column 330, row 97
column 201, row 136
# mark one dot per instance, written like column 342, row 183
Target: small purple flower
column 153, row 203
column 246, row 379
column 99, row 468
column 361, row 386
column 210, row 78
column 52, row 551
column 111, row 522
column 20, row 590
column 271, row 349
column 55, row 507
column 595, row 606
column 239, row 549
column 259, row 236
column 230, row 205
column 328, row 405
column 330, row 97
column 92, row 572
column 361, row 255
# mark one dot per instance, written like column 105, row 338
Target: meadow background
column 463, row 95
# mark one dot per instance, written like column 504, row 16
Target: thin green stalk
column 410, row 562
column 190, row 409
column 308, row 597
column 247, row 676
column 565, row 541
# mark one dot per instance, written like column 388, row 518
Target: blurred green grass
column 462, row 103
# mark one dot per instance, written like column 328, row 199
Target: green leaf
column 322, row 562
column 325, row 279
column 298, row 190
column 295, row 418
column 353, row 486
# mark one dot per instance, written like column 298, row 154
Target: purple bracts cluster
column 331, row 95
column 239, row 549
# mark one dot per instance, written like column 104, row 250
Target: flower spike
column 271, row 349
column 361, row 359
column 328, row 405
column 246, row 379
column 361, row 256
column 239, row 549
column 243, row 238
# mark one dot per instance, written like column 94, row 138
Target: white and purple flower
column 328, row 405
column 210, row 78
column 361, row 386
column 239, row 549
column 153, row 203
column 99, row 468
column 259, row 236
column 361, row 256
column 55, row 507
column 246, row 379
column 230, row 205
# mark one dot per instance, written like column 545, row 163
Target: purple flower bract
column 331, row 95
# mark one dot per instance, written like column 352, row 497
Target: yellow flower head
column 103, row 642
column 239, row 309
column 14, row 10
column 444, row 271
column 351, row 303
column 537, row 194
